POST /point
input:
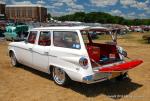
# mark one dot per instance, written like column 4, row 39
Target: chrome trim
column 53, row 56
column 96, row 77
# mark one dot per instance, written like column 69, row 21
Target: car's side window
column 32, row 37
column 45, row 38
column 66, row 39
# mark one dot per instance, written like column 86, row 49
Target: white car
column 68, row 53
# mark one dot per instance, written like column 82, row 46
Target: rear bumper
column 99, row 77
column 109, row 72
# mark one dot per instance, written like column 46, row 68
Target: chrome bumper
column 99, row 77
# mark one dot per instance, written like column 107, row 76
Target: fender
column 73, row 75
column 13, row 50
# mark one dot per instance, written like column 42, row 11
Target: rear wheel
column 59, row 76
column 14, row 61
column 122, row 77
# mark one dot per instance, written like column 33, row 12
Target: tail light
column 83, row 61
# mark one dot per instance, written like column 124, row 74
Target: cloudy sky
column 126, row 8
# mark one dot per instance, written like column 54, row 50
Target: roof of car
column 63, row 28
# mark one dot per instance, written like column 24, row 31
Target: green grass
column 104, row 37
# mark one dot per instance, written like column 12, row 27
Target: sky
column 129, row 9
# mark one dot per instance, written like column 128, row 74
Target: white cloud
column 26, row 2
column 55, row 6
column 148, row 11
column 103, row 3
column 58, row 4
column 141, row 5
column 127, row 2
column 71, row 4
column 71, row 10
column 21, row 3
column 116, row 12
column 56, row 13
column 135, row 4
column 2, row 1
column 141, row 15
column 80, row 7
column 41, row 2
column 131, row 15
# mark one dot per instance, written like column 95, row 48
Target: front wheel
column 59, row 76
column 14, row 61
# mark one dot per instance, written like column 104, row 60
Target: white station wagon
column 68, row 53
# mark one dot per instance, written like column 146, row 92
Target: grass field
column 131, row 36
column 26, row 84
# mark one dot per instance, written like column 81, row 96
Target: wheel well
column 51, row 68
column 10, row 53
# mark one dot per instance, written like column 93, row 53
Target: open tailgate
column 122, row 66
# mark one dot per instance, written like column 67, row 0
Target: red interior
column 107, row 49
column 94, row 53
column 44, row 42
column 96, row 50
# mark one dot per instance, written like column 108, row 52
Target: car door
column 66, row 50
column 26, row 49
column 41, row 51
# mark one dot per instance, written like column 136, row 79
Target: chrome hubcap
column 59, row 75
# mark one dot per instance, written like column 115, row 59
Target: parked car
column 68, row 53
column 3, row 25
column 16, row 32
column 136, row 28
column 1, row 33
column 146, row 28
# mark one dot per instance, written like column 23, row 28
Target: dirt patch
column 26, row 84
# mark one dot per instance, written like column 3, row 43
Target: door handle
column 46, row 53
column 30, row 49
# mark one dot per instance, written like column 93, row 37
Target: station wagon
column 68, row 53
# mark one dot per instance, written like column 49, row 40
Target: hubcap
column 13, row 60
column 59, row 76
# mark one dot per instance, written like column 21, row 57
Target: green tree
column 101, row 17
column 49, row 16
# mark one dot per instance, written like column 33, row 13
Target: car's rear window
column 66, row 39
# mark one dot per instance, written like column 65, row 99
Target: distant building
column 30, row 12
column 2, row 9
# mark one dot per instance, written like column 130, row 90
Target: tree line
column 101, row 17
